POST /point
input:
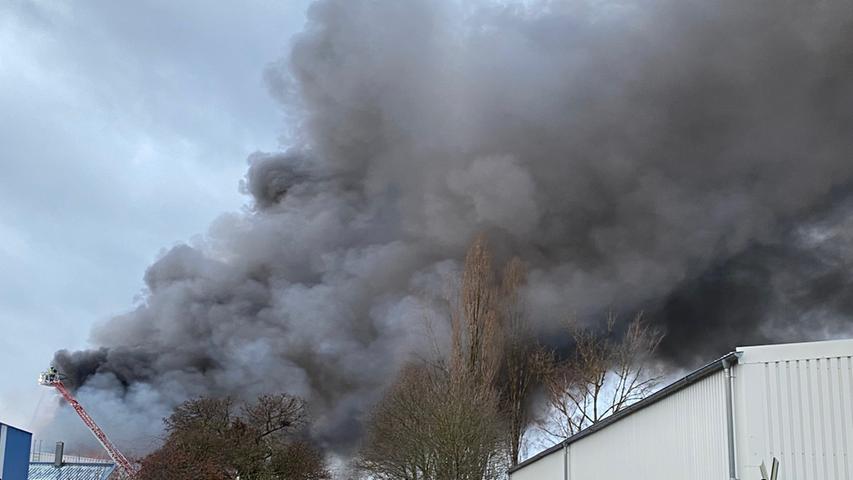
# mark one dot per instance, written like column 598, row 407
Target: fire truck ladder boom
column 51, row 379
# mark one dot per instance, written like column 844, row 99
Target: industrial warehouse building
column 14, row 452
column 19, row 462
column 58, row 466
column 793, row 402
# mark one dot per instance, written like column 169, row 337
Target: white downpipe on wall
column 730, row 418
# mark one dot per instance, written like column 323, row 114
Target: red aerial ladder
column 52, row 378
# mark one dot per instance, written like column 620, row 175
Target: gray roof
column 70, row 471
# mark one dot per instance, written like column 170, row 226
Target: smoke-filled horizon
column 688, row 158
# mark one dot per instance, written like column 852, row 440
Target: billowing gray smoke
column 688, row 157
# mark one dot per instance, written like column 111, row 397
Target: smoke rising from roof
column 688, row 157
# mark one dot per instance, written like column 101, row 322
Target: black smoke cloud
column 793, row 288
column 687, row 157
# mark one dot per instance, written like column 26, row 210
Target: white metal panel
column 797, row 409
column 793, row 402
column 681, row 436
column 549, row 467
column 795, row 351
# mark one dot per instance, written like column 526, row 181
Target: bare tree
column 433, row 425
column 299, row 460
column 442, row 419
column 524, row 360
column 463, row 415
column 475, row 320
column 170, row 462
column 209, row 438
column 469, row 429
column 395, row 447
column 274, row 415
column 602, row 377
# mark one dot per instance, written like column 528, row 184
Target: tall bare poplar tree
column 442, row 420
column 523, row 363
column 475, row 320
column 464, row 416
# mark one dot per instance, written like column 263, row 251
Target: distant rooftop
column 70, row 471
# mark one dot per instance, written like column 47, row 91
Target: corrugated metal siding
column 549, row 467
column 681, row 436
column 800, row 411
column 794, row 402
column 92, row 471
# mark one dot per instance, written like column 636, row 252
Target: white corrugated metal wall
column 796, row 403
column 549, row 467
column 679, row 437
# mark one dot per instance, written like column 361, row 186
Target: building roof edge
column 680, row 384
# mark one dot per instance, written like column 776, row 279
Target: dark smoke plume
column 688, row 157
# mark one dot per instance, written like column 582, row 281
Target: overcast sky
column 124, row 129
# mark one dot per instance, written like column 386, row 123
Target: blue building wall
column 14, row 453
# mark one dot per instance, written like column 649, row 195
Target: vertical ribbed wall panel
column 793, row 402
column 549, row 467
column 682, row 436
column 799, row 411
